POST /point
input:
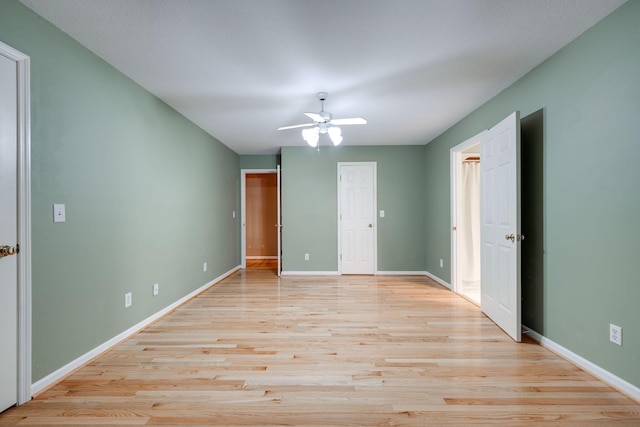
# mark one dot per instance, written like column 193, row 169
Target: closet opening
column 465, row 170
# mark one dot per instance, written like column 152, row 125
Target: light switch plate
column 59, row 213
column 381, row 214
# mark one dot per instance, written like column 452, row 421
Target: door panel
column 279, row 219
column 8, row 234
column 500, row 219
column 357, row 214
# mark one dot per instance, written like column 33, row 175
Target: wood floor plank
column 327, row 351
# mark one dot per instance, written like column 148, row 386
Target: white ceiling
column 239, row 69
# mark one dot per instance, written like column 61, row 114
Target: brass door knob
column 9, row 250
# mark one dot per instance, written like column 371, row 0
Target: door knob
column 370, row 225
column 511, row 237
column 9, row 250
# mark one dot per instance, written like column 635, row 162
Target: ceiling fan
column 323, row 122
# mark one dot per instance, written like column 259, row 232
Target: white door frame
column 375, row 210
column 24, row 219
column 243, row 210
column 455, row 170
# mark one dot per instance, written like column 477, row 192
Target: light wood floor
column 262, row 263
column 350, row 350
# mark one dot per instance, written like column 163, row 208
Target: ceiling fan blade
column 316, row 117
column 351, row 121
column 296, row 126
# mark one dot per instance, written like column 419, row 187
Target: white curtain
column 469, row 225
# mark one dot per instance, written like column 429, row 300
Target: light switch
column 381, row 214
column 58, row 213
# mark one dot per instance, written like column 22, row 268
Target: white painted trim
column 595, row 370
column 437, row 279
column 23, row 63
column 401, row 273
column 243, row 210
column 375, row 212
column 57, row 375
column 310, row 273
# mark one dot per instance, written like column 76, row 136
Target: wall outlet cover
column 615, row 334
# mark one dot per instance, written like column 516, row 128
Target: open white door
column 8, row 235
column 500, row 219
column 279, row 224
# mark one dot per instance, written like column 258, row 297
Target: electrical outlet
column 615, row 334
column 204, row 267
column 441, row 263
column 128, row 300
column 156, row 289
column 306, row 257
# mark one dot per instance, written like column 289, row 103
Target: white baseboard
column 58, row 374
column 595, row 370
column 401, row 273
column 308, row 273
column 437, row 279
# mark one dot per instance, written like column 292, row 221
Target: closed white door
column 500, row 219
column 8, row 234
column 357, row 218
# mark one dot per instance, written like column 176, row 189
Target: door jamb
column 23, row 67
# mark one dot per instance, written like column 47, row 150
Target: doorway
column 261, row 219
column 465, row 210
column 15, row 228
column 531, row 268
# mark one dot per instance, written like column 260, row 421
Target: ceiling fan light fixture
column 335, row 134
column 311, row 136
column 323, row 122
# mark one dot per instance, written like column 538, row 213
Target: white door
column 279, row 224
column 357, row 189
column 500, row 219
column 8, row 234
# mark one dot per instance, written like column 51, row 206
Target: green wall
column 589, row 93
column 149, row 196
column 265, row 161
column 310, row 206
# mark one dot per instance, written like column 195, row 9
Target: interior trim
column 437, row 279
column 613, row 380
